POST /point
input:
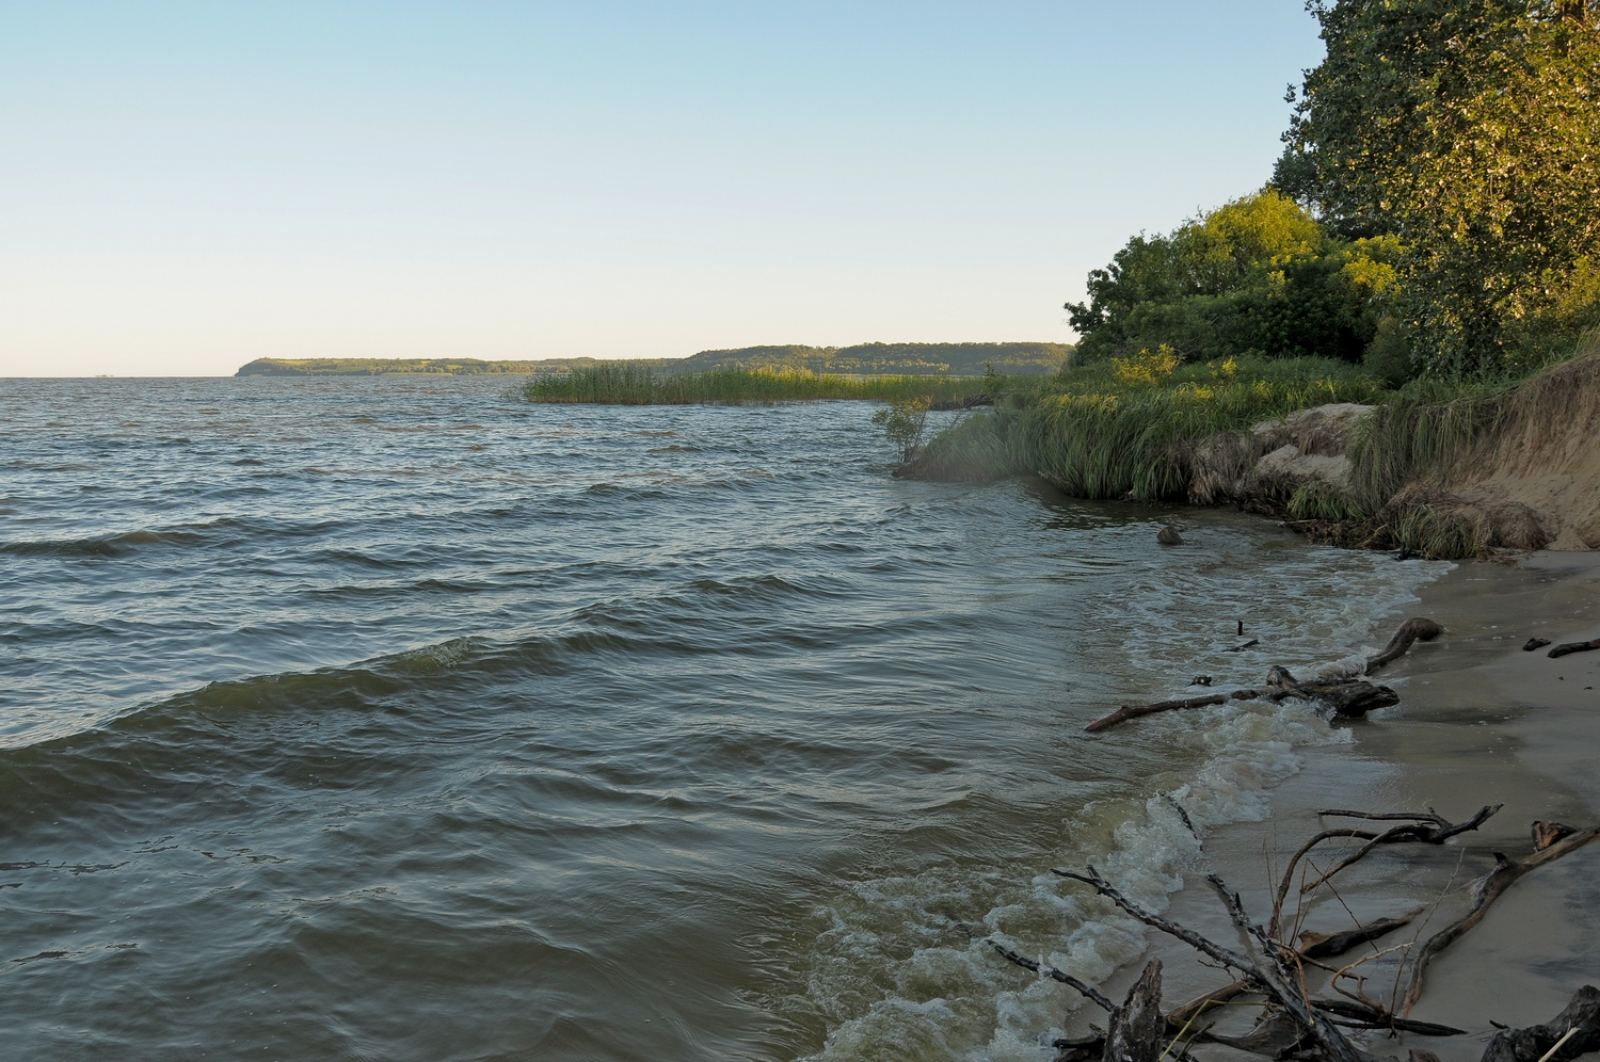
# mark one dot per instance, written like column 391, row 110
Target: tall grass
column 1420, row 432
column 624, row 384
column 1124, row 430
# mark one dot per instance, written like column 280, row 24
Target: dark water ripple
column 389, row 718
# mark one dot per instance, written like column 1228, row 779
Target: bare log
column 1504, row 875
column 1416, row 629
column 1573, row 647
column 1137, row 1026
column 1350, row 698
column 1569, row 1034
column 1534, row 643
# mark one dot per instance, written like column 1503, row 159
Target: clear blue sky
column 186, row 186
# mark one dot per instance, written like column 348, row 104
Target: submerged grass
column 625, row 384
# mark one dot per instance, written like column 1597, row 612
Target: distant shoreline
column 1020, row 358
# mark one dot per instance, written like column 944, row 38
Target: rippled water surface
column 392, row 718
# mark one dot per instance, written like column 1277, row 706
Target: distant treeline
column 430, row 366
column 935, row 359
column 954, row 359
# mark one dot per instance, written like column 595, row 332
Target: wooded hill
column 952, row 359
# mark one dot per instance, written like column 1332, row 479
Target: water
column 392, row 718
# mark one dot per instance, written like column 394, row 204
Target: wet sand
column 1480, row 722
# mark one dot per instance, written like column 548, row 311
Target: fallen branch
column 1350, row 698
column 1415, row 629
column 1569, row 1034
column 1429, row 829
column 1504, row 875
column 1290, row 994
column 1573, row 647
column 1088, row 992
column 1333, row 945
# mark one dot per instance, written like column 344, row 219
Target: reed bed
column 635, row 385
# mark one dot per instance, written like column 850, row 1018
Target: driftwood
column 1546, row 833
column 1415, row 629
column 1566, row 1036
column 1349, row 698
column 1420, row 827
column 1573, row 647
column 1333, row 945
column 1504, row 875
column 1137, row 1030
column 1294, row 1020
column 1534, row 643
column 1280, row 968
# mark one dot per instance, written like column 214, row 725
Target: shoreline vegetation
column 638, row 385
column 1444, row 469
column 1395, row 343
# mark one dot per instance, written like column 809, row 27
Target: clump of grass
column 625, row 384
column 1322, row 502
column 1439, row 533
column 1423, row 430
column 974, row 450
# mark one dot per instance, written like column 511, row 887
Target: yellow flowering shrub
column 1147, row 366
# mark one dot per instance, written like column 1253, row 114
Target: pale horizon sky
column 187, row 186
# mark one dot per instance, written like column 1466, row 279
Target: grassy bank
column 625, row 384
column 1152, row 429
column 1129, row 427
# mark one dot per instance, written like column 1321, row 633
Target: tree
column 1469, row 129
column 904, row 421
column 1255, row 275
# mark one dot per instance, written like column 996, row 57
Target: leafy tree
column 905, row 421
column 1256, row 275
column 1469, row 130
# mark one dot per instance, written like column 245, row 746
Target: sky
column 187, row 186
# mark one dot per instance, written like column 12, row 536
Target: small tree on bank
column 905, row 421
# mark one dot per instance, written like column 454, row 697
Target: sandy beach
column 1480, row 722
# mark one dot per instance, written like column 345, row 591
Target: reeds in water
column 625, row 384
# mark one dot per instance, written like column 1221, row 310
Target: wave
column 912, row 927
column 224, row 530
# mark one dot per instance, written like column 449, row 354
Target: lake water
column 394, row 718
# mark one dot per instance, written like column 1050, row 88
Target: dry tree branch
column 1088, row 992
column 1501, row 878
